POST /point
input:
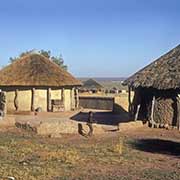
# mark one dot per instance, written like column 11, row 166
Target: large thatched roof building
column 157, row 87
column 35, row 81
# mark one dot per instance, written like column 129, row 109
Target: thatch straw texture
column 91, row 84
column 164, row 73
column 36, row 70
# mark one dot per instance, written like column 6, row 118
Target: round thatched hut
column 34, row 81
column 156, row 91
column 91, row 85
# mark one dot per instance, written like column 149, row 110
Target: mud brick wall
column 102, row 103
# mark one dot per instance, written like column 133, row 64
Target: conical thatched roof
column 92, row 84
column 36, row 70
column 164, row 73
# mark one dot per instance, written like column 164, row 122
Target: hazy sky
column 102, row 38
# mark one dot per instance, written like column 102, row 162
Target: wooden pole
column 63, row 97
column 72, row 99
column 152, row 111
column 77, row 98
column 33, row 100
column 49, row 105
column 5, row 103
column 16, row 103
column 137, row 112
column 129, row 101
column 178, row 113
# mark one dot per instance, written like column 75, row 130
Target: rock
column 24, row 163
column 39, row 109
column 150, row 123
column 10, row 178
column 1, row 113
column 157, row 125
column 55, row 127
column 166, row 126
column 161, row 125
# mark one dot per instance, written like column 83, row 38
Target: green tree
column 59, row 61
column 56, row 59
column 45, row 53
column 12, row 59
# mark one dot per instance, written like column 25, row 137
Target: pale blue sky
column 97, row 38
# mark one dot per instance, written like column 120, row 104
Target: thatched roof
column 163, row 73
column 92, row 84
column 36, row 70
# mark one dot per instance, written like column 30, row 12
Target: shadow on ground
column 159, row 146
column 104, row 117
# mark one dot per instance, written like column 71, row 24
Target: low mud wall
column 101, row 103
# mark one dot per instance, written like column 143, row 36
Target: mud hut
column 34, row 81
column 156, row 91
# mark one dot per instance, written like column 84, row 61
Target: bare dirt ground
column 133, row 154
column 141, row 154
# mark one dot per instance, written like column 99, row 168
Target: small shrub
column 118, row 148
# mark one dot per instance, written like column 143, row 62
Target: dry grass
column 30, row 157
column 118, row 148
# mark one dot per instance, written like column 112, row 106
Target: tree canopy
column 56, row 59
